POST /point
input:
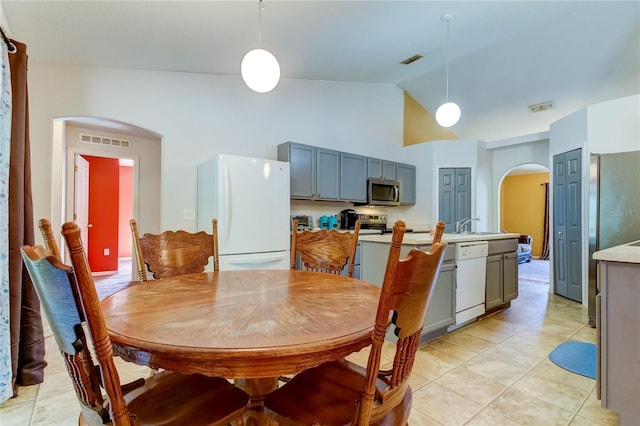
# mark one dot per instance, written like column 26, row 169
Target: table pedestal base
column 257, row 390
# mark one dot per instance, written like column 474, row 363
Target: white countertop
column 629, row 253
column 426, row 238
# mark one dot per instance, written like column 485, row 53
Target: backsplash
column 322, row 208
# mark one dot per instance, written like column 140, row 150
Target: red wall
column 104, row 187
column 126, row 211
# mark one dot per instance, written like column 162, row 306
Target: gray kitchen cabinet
column 406, row 175
column 381, row 169
column 353, row 177
column 502, row 273
column 441, row 309
column 302, row 163
column 327, row 174
column 618, row 341
column 315, row 172
column 510, row 271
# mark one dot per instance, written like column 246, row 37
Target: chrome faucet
column 462, row 223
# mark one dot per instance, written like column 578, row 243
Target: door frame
column 60, row 163
column 70, row 180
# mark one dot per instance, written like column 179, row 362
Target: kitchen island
column 617, row 320
column 499, row 285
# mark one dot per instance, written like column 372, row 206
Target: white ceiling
column 504, row 55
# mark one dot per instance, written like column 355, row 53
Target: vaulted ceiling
column 503, row 55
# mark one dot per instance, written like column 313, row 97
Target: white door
column 81, row 198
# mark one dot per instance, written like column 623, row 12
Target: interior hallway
column 493, row 372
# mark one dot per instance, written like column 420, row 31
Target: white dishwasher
column 471, row 268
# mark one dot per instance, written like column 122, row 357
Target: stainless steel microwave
column 382, row 192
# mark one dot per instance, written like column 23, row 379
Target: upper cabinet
column 315, row 172
column 302, row 162
column 406, row 175
column 381, row 169
column 324, row 174
column 353, row 178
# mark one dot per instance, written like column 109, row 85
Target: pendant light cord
column 261, row 6
column 447, row 59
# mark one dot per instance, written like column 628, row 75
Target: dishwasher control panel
column 472, row 250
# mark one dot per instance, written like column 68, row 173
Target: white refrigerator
column 250, row 199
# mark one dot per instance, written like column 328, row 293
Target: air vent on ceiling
column 100, row 140
column 411, row 59
column 541, row 107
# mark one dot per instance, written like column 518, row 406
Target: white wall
column 200, row 115
column 614, row 126
column 431, row 156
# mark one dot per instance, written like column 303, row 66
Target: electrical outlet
column 189, row 214
column 106, row 252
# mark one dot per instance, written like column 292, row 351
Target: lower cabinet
column 502, row 273
column 441, row 310
column 618, row 371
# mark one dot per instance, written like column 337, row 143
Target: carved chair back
column 437, row 236
column 341, row 392
column 406, row 290
column 55, row 285
column 48, row 237
column 174, row 253
column 69, row 297
column 324, row 250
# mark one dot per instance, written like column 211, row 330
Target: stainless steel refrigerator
column 614, row 208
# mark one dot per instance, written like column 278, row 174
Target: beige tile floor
column 493, row 372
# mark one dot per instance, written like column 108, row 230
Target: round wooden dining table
column 249, row 325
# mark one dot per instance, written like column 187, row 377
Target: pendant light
column 260, row 70
column 448, row 113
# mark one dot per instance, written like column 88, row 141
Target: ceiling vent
column 541, row 107
column 411, row 59
column 100, row 140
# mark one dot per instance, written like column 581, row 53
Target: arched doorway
column 523, row 201
column 523, row 210
column 108, row 141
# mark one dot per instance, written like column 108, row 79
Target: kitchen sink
column 476, row 233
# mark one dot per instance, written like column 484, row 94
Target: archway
column 523, row 202
column 108, row 139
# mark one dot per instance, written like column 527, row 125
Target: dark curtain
column 545, row 233
column 27, row 338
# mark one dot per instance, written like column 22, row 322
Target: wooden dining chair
column 324, row 250
column 174, row 253
column 166, row 398
column 439, row 230
column 48, row 237
column 341, row 392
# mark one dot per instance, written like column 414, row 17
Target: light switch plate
column 189, row 214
